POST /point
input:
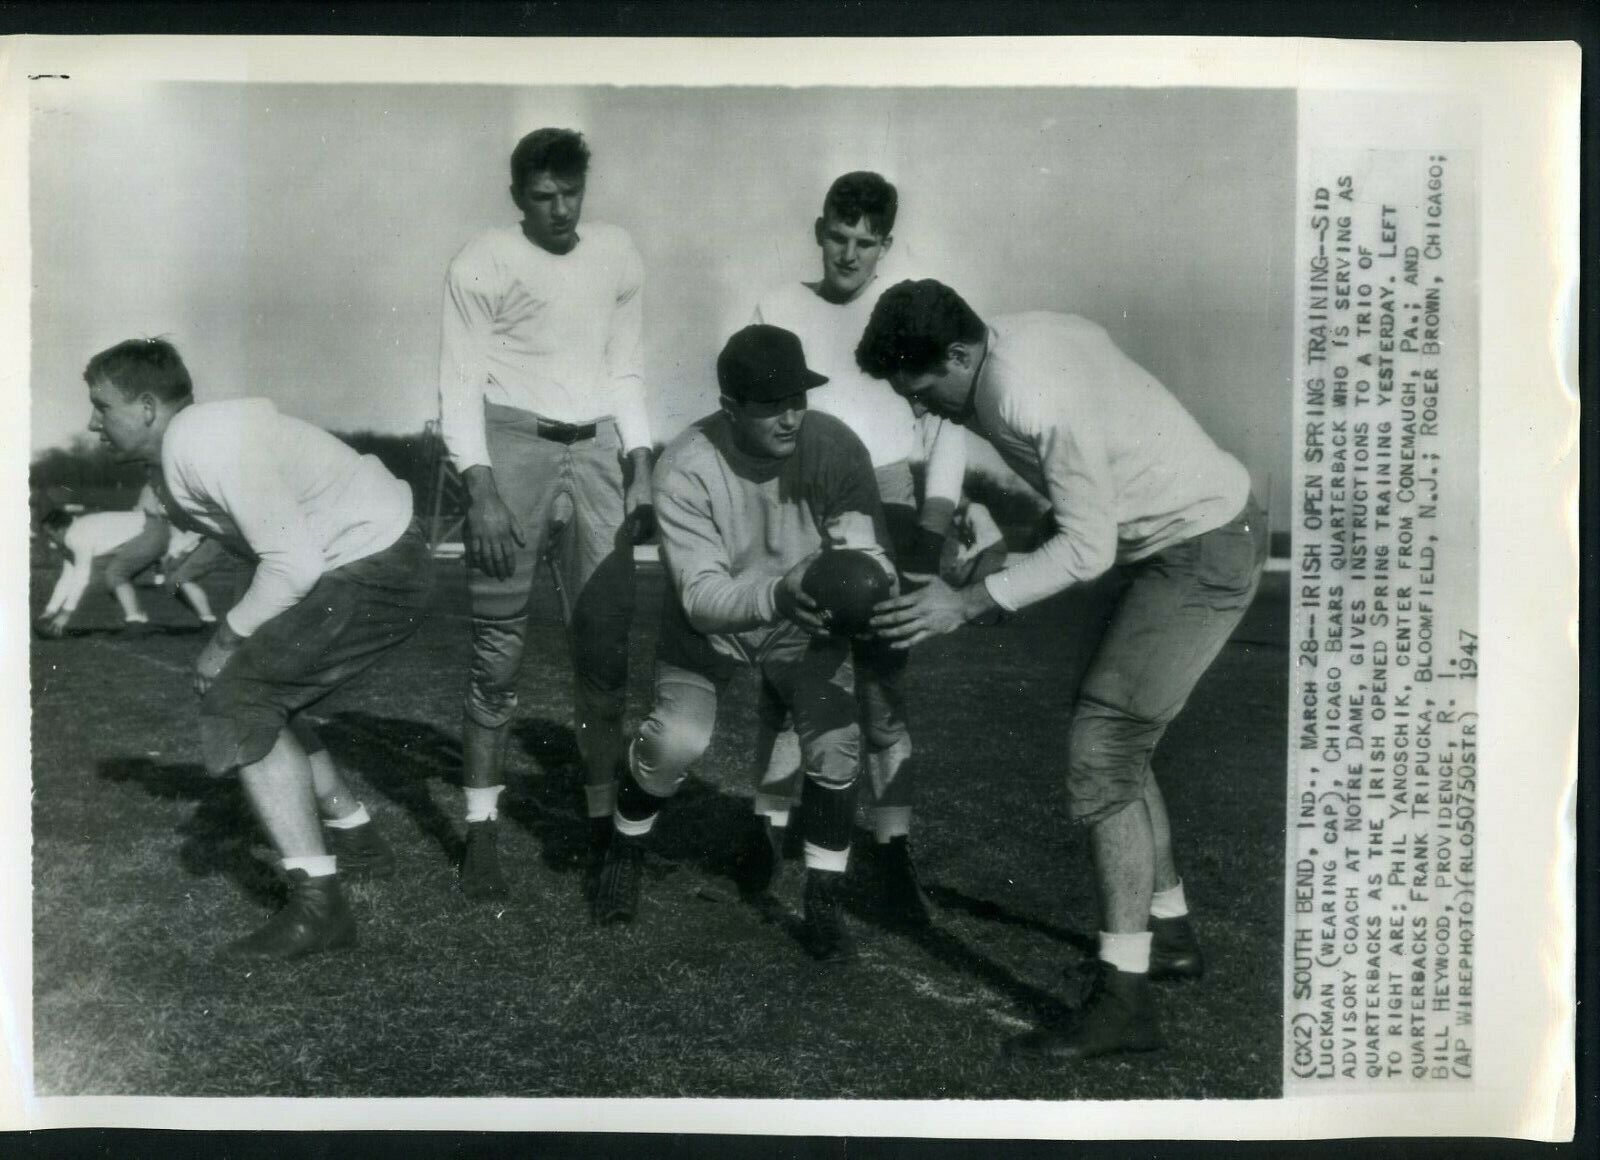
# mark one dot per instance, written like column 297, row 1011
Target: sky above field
column 292, row 238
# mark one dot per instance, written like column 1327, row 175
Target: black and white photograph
column 600, row 587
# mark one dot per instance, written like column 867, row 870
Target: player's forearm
column 977, row 602
column 1063, row 560
column 279, row 583
column 722, row 604
column 461, row 426
column 633, row 417
column 58, row 594
column 77, row 583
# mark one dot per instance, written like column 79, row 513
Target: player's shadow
column 119, row 632
column 398, row 758
column 220, row 835
column 949, row 899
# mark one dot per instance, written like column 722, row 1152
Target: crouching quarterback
column 342, row 575
column 745, row 500
column 1133, row 481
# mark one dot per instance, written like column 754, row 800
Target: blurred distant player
column 126, row 543
column 746, row 499
column 188, row 557
column 541, row 394
column 342, row 575
column 854, row 232
column 1134, row 482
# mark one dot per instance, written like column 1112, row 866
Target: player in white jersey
column 1134, row 484
column 125, row 544
column 542, row 408
column 853, row 233
column 342, row 576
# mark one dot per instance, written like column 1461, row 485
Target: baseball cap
column 761, row 363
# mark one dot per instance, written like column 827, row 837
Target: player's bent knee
column 663, row 751
column 834, row 758
column 1108, row 754
column 490, row 708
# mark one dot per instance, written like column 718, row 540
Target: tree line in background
column 85, row 472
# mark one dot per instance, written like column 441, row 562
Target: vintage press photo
column 1348, row 270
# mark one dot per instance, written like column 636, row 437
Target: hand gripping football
column 846, row 583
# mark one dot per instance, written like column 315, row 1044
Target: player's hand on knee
column 493, row 534
column 53, row 627
column 795, row 604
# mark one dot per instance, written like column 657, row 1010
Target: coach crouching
column 746, row 499
column 342, row 576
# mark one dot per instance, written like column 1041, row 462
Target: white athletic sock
column 1169, row 903
column 629, row 828
column 775, row 809
column 315, row 865
column 483, row 802
column 357, row 817
column 141, row 618
column 1126, row 952
column 821, row 858
column 891, row 822
column 601, row 799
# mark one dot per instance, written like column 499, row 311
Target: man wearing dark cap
column 745, row 500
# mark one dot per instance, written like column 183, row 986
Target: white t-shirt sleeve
column 713, row 599
column 625, row 355
column 1071, row 447
column 241, row 477
column 466, row 322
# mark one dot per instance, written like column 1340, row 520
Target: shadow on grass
column 121, row 632
column 400, row 759
column 219, row 835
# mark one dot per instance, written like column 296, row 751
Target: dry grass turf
column 143, row 865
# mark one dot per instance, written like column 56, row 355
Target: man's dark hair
column 558, row 152
column 57, row 520
column 912, row 327
column 142, row 365
column 863, row 194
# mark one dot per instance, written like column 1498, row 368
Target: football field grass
column 142, row 866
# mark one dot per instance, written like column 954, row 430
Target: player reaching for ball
column 853, row 234
column 745, row 500
column 342, row 576
column 1134, row 482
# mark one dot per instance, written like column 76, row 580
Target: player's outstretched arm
column 929, row 608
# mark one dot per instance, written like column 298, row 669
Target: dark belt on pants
column 565, row 432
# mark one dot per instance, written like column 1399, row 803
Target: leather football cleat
column 316, row 918
column 822, row 929
column 361, row 851
column 904, row 902
column 1118, row 1016
column 481, row 879
column 1174, row 950
column 616, row 892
